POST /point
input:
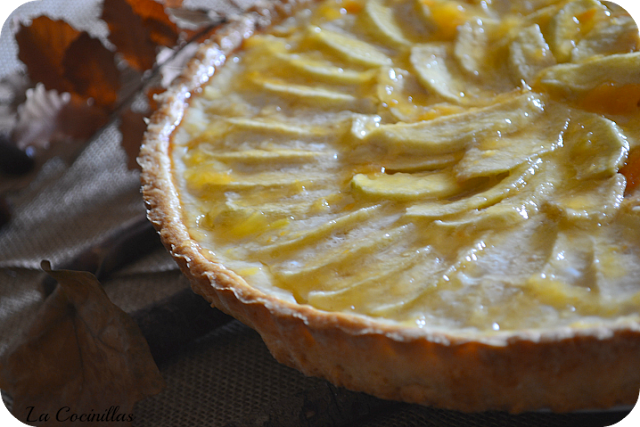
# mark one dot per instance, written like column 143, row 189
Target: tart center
column 444, row 164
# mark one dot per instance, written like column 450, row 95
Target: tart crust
column 562, row 369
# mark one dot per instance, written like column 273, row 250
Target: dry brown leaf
column 136, row 28
column 41, row 48
column 80, row 120
column 132, row 127
column 132, row 40
column 92, row 71
column 67, row 60
column 163, row 31
column 82, row 357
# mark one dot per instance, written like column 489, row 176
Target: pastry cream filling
column 445, row 164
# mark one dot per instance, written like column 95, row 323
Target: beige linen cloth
column 222, row 378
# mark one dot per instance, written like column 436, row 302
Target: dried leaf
column 132, row 40
column 163, row 31
column 79, row 120
column 83, row 356
column 66, row 60
column 92, row 71
column 42, row 46
column 132, row 127
column 137, row 27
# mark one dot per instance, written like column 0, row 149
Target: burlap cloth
column 220, row 379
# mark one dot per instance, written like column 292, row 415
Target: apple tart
column 426, row 200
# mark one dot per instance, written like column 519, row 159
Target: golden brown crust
column 563, row 369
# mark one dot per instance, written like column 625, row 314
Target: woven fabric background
column 227, row 376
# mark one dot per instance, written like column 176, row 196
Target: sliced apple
column 349, row 48
column 402, row 186
column 578, row 79
column 382, row 24
column 433, row 69
column 499, row 154
column 325, row 71
column 318, row 271
column 613, row 35
column 269, row 156
column 570, row 24
column 505, row 188
column 450, row 133
column 420, row 164
column 207, row 180
column 470, row 48
column 598, row 146
column 386, row 283
column 299, row 240
column 529, row 53
column 592, row 201
column 277, row 127
column 309, row 95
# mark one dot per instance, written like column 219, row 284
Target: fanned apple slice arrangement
column 385, row 158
